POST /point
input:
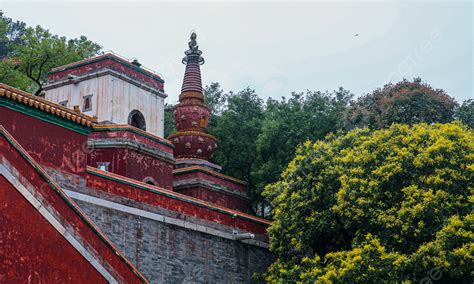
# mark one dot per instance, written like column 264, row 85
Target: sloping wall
column 44, row 236
column 166, row 245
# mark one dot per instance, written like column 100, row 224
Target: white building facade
column 112, row 89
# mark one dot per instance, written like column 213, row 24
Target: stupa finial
column 192, row 41
column 193, row 53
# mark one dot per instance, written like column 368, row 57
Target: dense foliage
column 169, row 127
column 257, row 140
column 465, row 113
column 390, row 205
column 288, row 123
column 404, row 102
column 270, row 132
column 28, row 53
column 241, row 120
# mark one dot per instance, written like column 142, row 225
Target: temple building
column 112, row 89
column 91, row 191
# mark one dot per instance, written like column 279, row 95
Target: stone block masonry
column 167, row 253
column 166, row 246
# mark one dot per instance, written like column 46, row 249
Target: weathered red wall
column 132, row 164
column 220, row 179
column 181, row 203
column 55, row 146
column 21, row 226
column 148, row 139
column 109, row 63
column 31, row 250
column 210, row 195
column 218, row 198
column 47, row 143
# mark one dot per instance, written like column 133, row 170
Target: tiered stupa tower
column 194, row 174
column 193, row 146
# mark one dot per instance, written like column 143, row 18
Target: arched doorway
column 136, row 119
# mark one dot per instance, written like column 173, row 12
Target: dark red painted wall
column 31, row 250
column 49, row 144
column 187, row 208
column 132, row 164
column 218, row 198
column 206, row 194
column 165, row 146
column 15, row 214
column 109, row 64
column 58, row 147
column 206, row 176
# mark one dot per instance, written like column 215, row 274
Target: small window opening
column 87, row 103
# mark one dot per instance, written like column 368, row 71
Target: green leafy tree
column 29, row 53
column 169, row 127
column 271, row 132
column 236, row 130
column 392, row 205
column 403, row 102
column 3, row 37
column 214, row 98
column 465, row 113
column 288, row 123
column 10, row 34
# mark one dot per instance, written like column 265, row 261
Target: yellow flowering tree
column 392, row 205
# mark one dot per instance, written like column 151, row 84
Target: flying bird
column 356, row 35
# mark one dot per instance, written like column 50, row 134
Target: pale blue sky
column 279, row 47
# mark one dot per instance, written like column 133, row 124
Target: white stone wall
column 113, row 100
